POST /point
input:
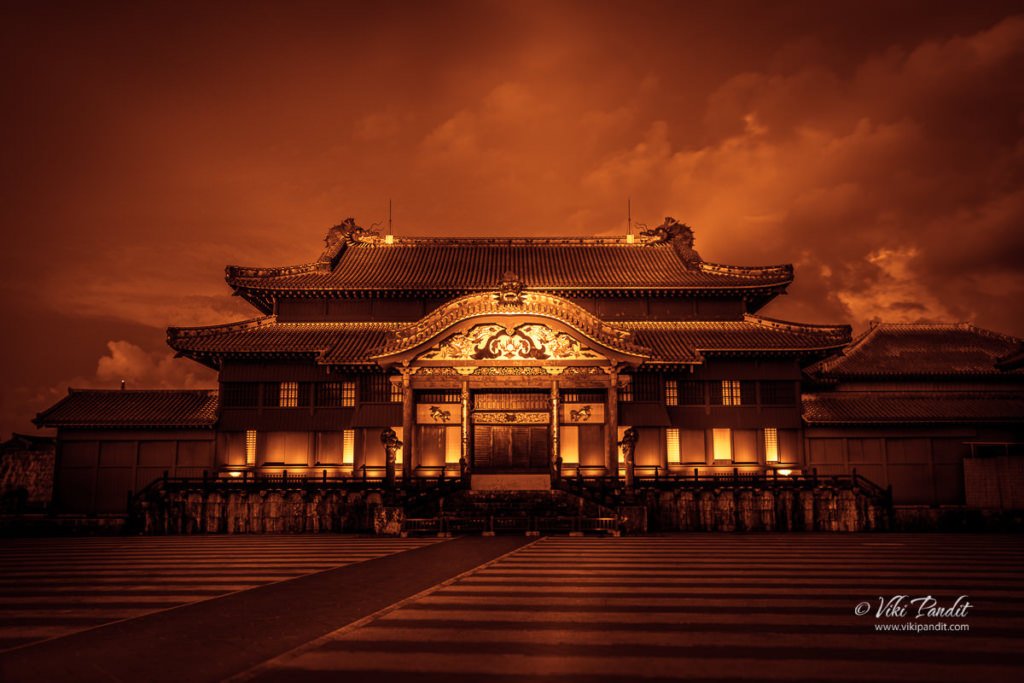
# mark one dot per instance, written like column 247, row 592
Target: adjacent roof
column 902, row 407
column 1013, row 360
column 919, row 350
column 450, row 267
column 132, row 408
column 349, row 343
column 332, row 343
column 687, row 341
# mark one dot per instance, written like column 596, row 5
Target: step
column 511, row 482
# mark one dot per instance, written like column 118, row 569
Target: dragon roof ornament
column 341, row 235
column 679, row 235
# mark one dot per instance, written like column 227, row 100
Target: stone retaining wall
column 740, row 509
column 273, row 511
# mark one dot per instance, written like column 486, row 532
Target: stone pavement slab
column 217, row 638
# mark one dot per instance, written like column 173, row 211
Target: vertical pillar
column 556, row 452
column 629, row 451
column 408, row 426
column 464, row 464
column 612, row 423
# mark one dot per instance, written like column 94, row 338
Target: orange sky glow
column 878, row 146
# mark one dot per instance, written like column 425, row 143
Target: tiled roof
column 1013, row 360
column 919, row 349
column 28, row 442
column 685, row 341
column 353, row 342
column 901, row 407
column 132, row 408
column 468, row 265
column 329, row 342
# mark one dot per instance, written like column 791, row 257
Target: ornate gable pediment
column 526, row 342
column 510, row 324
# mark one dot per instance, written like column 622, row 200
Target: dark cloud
column 878, row 146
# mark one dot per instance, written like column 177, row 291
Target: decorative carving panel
column 582, row 413
column 511, row 417
column 530, row 341
column 439, row 413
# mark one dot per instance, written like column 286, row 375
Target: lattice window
column 288, row 394
column 691, row 392
column 748, row 393
column 778, row 393
column 328, row 394
column 250, row 447
column 673, row 454
column 240, row 394
column 731, row 392
column 722, row 440
column 348, row 394
column 647, row 386
column 771, row 444
column 583, row 396
column 436, row 396
column 626, row 389
column 397, row 392
column 375, row 388
column 671, row 392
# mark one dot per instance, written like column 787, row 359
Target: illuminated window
column 569, row 444
column 722, row 439
column 731, row 392
column 672, row 446
column 288, row 395
column 671, row 392
column 348, row 447
column 348, row 393
column 452, row 445
column 397, row 394
column 771, row 444
column 250, row 447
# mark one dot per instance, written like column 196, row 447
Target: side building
column 934, row 410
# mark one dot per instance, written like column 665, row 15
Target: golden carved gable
column 526, row 342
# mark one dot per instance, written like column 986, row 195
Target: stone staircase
column 503, row 511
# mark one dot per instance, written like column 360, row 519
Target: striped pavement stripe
column 57, row 586
column 694, row 607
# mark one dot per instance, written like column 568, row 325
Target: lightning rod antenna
column 629, row 220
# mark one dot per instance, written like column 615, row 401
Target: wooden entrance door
column 510, row 448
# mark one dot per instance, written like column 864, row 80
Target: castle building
column 511, row 362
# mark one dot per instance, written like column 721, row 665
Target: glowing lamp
column 234, row 475
column 389, row 239
column 785, row 472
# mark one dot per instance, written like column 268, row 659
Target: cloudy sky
column 878, row 146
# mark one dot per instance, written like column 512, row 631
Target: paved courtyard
column 683, row 607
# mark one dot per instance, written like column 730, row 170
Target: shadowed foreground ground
column 683, row 607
